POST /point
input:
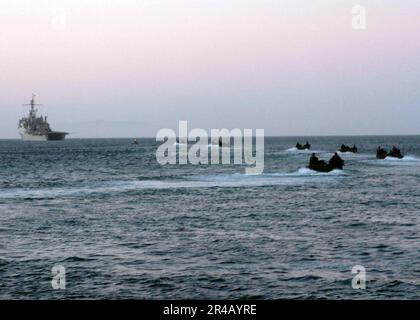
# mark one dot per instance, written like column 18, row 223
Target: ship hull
column 56, row 136
column 51, row 136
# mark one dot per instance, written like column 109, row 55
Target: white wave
column 406, row 158
column 107, row 187
column 354, row 156
column 296, row 150
column 390, row 161
column 306, row 172
column 228, row 180
column 410, row 158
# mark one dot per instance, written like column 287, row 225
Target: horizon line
column 268, row 136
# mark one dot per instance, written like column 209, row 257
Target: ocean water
column 125, row 227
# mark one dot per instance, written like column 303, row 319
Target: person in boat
column 395, row 152
column 313, row 161
column 354, row 149
column 336, row 162
column 381, row 153
column 298, row 146
column 344, row 148
column 307, row 145
column 318, row 165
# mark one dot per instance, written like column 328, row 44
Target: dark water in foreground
column 125, row 227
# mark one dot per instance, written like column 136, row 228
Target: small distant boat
column 344, row 148
column 306, row 146
column 135, row 141
column 394, row 153
column 335, row 163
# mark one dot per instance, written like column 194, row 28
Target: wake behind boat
column 34, row 128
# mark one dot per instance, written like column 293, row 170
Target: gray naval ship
column 34, row 128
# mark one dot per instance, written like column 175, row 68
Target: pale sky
column 292, row 67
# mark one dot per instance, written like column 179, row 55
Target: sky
column 292, row 67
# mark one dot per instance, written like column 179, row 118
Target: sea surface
column 124, row 226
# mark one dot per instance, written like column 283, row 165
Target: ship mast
column 32, row 104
